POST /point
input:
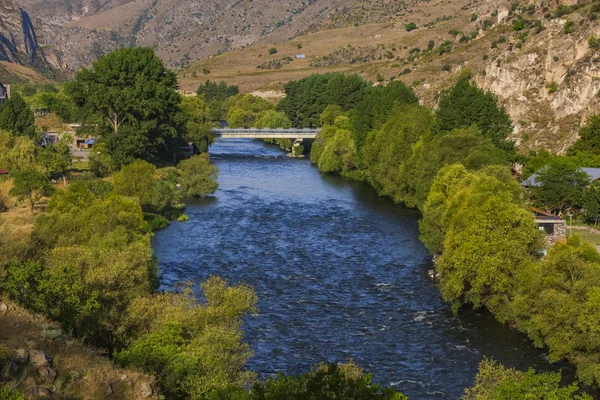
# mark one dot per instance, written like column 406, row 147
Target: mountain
column 21, row 45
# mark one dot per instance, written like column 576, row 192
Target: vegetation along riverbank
column 76, row 265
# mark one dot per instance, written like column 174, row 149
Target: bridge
column 266, row 133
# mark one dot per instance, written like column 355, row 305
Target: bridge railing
column 266, row 130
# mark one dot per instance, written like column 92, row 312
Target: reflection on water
column 339, row 272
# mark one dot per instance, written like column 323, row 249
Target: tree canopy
column 133, row 97
column 17, row 118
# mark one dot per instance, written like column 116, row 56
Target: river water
column 340, row 274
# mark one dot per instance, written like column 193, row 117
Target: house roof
column 3, row 172
column 593, row 173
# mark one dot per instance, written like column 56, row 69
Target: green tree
column 561, row 185
column 272, row 119
column 194, row 347
column 431, row 153
column 17, row 118
column 56, row 158
column 376, row 108
column 30, row 185
column 135, row 101
column 199, row 125
column 17, row 152
column 387, row 149
column 324, row 382
column 244, row 110
column 487, row 240
column 217, row 91
column 465, row 104
column 140, row 180
column 198, row 176
column 557, row 303
column 589, row 138
column 591, row 202
column 496, row 382
column 339, row 153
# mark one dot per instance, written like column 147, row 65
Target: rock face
column 19, row 41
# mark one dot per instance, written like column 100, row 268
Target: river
column 339, row 272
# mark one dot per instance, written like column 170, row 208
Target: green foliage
column 324, row 382
column 552, row 87
column 133, row 98
column 589, row 137
column 496, row 382
column 272, row 119
column 387, row 149
column 56, row 158
column 561, row 185
column 198, row 176
column 557, row 303
column 17, row 118
column 244, row 110
column 411, row 26
column 339, row 153
column 272, row 50
column 431, row 153
column 217, row 91
column 307, row 98
column 591, row 202
column 17, row 152
column 193, row 347
column 465, row 104
column 30, row 185
column 199, row 121
column 569, row 27
column 487, row 238
column 6, row 393
column 376, row 107
column 594, row 42
column 140, row 180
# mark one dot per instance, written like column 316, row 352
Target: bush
column 569, row 27
column 198, row 176
column 552, row 87
column 446, row 68
column 155, row 222
column 411, row 26
column 272, row 50
column 594, row 42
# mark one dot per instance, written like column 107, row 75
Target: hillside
column 545, row 73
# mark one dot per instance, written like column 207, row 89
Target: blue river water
column 340, row 275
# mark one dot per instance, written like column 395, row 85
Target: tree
column 339, row 153
column 17, row 118
column 140, row 180
column 589, row 138
column 465, row 104
column 217, row 91
column 557, row 304
column 591, row 202
column 272, row 119
column 194, row 347
column 386, row 150
column 56, row 158
column 324, row 382
column 198, row 176
column 245, row 109
column 135, row 100
column 17, row 152
column 30, row 185
column 561, row 185
column 494, row 381
column 306, row 99
column 199, row 125
column 488, row 238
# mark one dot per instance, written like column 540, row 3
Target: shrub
column 411, row 26
column 446, row 68
column 272, row 50
column 594, row 42
column 569, row 27
column 552, row 87
column 474, row 17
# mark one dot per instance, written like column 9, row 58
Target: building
column 553, row 226
column 4, row 93
column 3, row 172
column 300, row 56
column 593, row 174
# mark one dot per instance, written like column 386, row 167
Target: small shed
column 3, row 172
column 300, row 56
column 553, row 226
